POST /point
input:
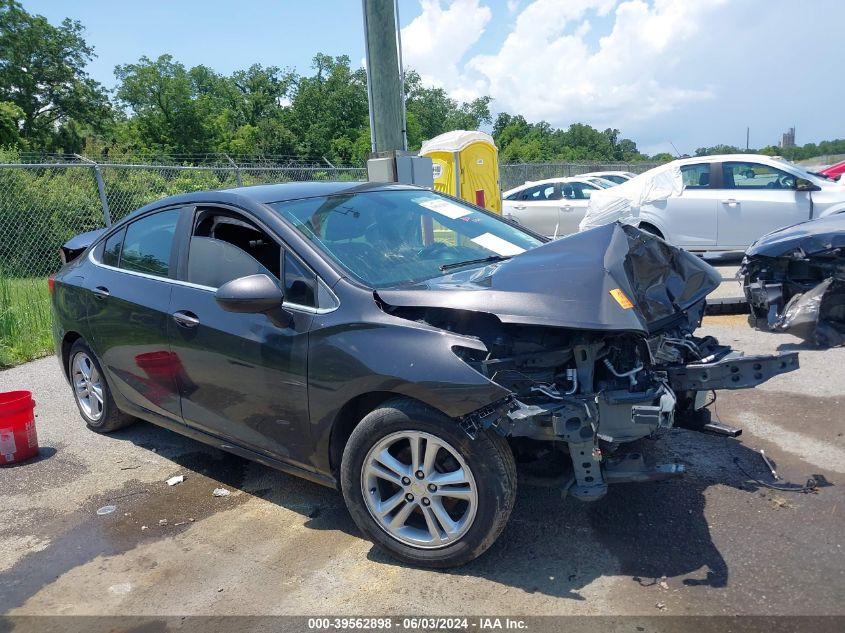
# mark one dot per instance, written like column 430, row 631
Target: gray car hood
column 571, row 283
column 813, row 236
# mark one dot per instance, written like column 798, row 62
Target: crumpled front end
column 607, row 359
column 794, row 281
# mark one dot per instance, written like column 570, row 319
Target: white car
column 616, row 177
column 729, row 201
column 552, row 207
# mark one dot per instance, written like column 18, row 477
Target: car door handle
column 519, row 206
column 101, row 292
column 731, row 202
column 184, row 318
column 568, row 207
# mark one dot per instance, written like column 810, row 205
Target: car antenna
column 677, row 153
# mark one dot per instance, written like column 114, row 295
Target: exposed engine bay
column 794, row 281
column 595, row 357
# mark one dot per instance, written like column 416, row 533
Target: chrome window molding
column 292, row 306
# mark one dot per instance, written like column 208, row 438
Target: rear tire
column 91, row 392
column 403, row 511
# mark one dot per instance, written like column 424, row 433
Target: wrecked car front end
column 794, row 280
column 593, row 338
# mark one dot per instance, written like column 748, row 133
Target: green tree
column 42, row 72
column 430, row 111
column 328, row 110
column 162, row 97
column 717, row 149
column 10, row 118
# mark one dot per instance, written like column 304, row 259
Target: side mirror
column 253, row 294
column 802, row 184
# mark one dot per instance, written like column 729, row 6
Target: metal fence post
column 238, row 178
column 101, row 187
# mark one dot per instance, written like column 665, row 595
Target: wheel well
column 650, row 228
column 348, row 418
column 67, row 342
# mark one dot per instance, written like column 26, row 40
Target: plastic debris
column 221, row 492
column 106, row 510
column 162, row 521
column 178, row 479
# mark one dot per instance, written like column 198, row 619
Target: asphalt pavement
column 713, row 542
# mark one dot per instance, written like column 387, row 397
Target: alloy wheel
column 419, row 489
column 87, row 386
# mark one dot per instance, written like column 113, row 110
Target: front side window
column 737, row 175
column 300, row 283
column 148, row 241
column 539, row 193
column 390, row 238
column 577, row 190
column 696, row 176
column 224, row 247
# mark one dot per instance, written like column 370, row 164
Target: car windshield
column 391, row 238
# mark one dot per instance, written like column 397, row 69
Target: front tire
column 419, row 487
column 91, row 391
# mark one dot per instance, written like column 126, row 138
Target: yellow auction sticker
column 621, row 298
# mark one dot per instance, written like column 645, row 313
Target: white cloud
column 436, row 41
column 549, row 67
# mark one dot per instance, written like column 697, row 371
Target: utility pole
column 384, row 77
column 390, row 160
column 747, row 137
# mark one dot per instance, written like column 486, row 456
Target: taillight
column 51, row 281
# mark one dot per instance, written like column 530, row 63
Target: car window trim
column 188, row 284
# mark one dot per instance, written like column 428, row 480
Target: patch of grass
column 25, row 320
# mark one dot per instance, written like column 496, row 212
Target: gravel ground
column 710, row 543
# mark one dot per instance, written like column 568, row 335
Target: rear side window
column 112, row 247
column 146, row 247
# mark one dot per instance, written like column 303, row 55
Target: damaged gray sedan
column 402, row 345
column 794, row 280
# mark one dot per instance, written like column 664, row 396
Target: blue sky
column 693, row 72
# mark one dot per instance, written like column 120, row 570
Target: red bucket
column 18, row 440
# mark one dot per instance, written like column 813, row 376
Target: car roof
column 718, row 158
column 281, row 192
column 266, row 194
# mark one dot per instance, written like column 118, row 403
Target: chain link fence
column 43, row 204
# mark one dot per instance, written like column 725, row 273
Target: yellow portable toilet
column 466, row 165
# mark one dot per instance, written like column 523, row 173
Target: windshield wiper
column 483, row 260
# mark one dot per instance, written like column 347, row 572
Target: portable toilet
column 466, row 165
